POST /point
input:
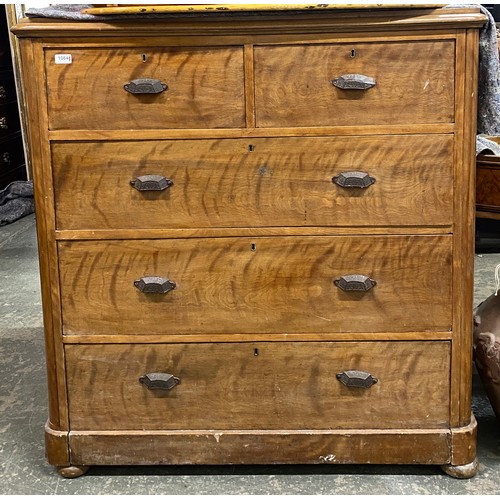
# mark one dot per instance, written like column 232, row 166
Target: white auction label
column 63, row 59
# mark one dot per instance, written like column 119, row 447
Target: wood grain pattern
column 263, row 182
column 463, row 235
column 205, row 88
column 253, row 447
column 488, row 186
column 410, row 87
column 293, row 385
column 226, row 285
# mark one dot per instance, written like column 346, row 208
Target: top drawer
column 204, row 88
column 414, row 83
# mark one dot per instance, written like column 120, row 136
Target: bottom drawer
column 261, row 385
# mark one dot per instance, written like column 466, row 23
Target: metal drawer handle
column 354, row 82
column 159, row 381
column 3, row 123
column 356, row 378
column 354, row 283
column 145, row 86
column 154, row 284
column 3, row 92
column 355, row 179
column 6, row 158
column 151, row 183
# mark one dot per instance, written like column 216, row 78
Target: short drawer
column 414, row 83
column 397, row 181
column 197, row 88
column 271, row 385
column 256, row 285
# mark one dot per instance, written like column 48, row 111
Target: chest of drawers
column 256, row 236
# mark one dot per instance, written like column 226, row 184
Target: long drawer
column 273, row 385
column 256, row 285
column 412, row 83
column 196, row 88
column 334, row 181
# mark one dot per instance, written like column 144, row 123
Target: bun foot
column 72, row 471
column 462, row 471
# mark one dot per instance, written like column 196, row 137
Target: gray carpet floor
column 23, row 412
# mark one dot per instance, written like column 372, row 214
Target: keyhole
column 251, row 148
column 255, row 352
column 353, row 53
column 253, row 247
column 144, row 57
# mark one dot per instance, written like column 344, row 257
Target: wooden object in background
column 488, row 185
column 302, row 319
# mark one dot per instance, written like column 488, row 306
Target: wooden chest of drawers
column 256, row 236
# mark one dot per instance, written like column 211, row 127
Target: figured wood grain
column 205, row 88
column 410, row 87
column 263, row 182
column 293, row 384
column 254, row 447
column 488, row 187
column 256, row 285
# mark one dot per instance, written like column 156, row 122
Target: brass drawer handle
column 151, row 183
column 159, row 381
column 356, row 378
column 145, row 86
column 354, row 283
column 154, row 284
column 353, row 179
column 3, row 123
column 354, row 82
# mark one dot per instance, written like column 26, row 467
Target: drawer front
column 414, row 83
column 256, row 285
column 280, row 182
column 205, row 88
column 293, row 385
column 488, row 187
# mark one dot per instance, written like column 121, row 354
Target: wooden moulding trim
column 260, row 447
column 237, row 337
column 56, row 446
column 117, row 234
column 487, row 208
column 463, row 443
column 481, row 214
column 382, row 20
column 240, row 133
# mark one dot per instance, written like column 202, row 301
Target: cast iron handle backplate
column 145, row 86
column 159, row 381
column 356, row 378
column 154, row 284
column 151, row 183
column 354, row 179
column 355, row 283
column 354, row 82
